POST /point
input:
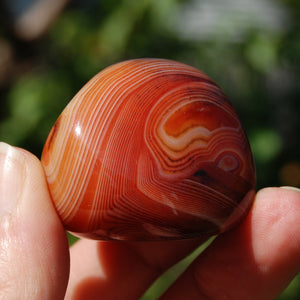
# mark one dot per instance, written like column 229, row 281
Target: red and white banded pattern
column 149, row 149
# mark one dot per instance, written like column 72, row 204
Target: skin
column 256, row 260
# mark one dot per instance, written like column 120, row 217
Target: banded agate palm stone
column 149, row 149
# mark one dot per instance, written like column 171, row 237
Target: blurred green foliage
column 252, row 52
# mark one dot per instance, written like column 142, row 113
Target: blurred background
column 50, row 48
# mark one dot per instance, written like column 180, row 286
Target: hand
column 254, row 261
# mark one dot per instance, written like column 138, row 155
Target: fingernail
column 12, row 177
column 291, row 188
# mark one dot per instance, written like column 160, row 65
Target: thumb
column 34, row 254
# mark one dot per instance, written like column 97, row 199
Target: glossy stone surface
column 149, row 149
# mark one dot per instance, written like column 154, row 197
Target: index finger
column 254, row 261
column 121, row 270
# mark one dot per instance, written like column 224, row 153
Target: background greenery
column 251, row 48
